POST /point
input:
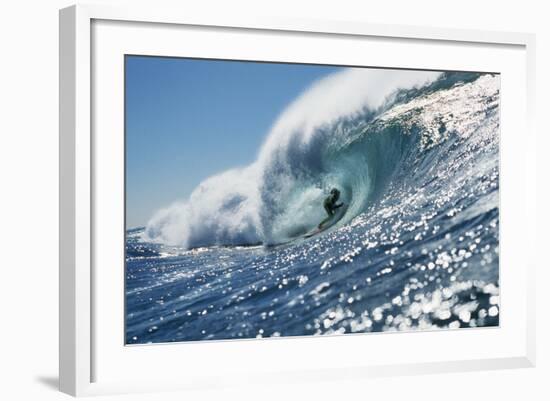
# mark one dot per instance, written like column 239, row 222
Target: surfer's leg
column 324, row 221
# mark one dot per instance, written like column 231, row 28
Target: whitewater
column 415, row 155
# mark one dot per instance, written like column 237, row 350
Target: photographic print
column 279, row 199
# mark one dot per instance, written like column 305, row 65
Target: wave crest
column 307, row 151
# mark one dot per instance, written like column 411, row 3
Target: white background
column 29, row 185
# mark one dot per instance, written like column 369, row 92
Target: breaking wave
column 363, row 131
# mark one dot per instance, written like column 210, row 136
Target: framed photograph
column 282, row 200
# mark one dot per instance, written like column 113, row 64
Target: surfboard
column 334, row 219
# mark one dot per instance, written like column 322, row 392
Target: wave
column 355, row 130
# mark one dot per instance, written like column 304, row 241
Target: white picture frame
column 82, row 344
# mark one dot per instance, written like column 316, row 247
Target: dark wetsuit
column 330, row 205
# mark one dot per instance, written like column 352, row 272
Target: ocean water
column 416, row 249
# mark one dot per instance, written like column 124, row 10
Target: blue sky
column 188, row 119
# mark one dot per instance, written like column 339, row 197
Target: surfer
column 330, row 205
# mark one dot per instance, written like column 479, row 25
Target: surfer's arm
column 337, row 206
